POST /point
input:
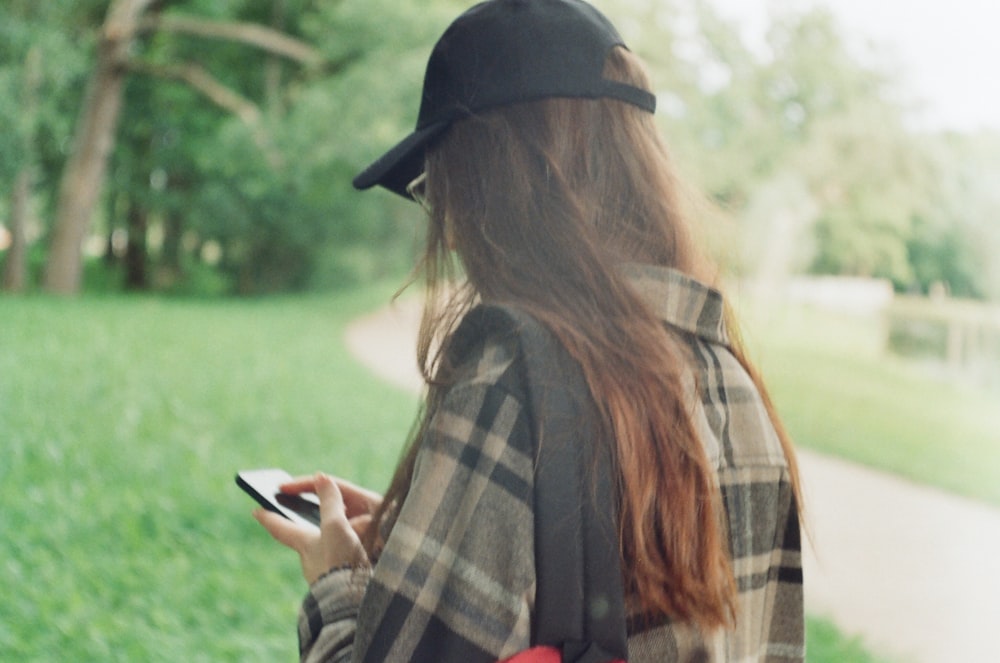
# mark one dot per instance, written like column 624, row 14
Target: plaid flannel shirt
column 455, row 581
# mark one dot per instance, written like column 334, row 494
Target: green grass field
column 123, row 421
column 840, row 393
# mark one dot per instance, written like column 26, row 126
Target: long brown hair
column 542, row 202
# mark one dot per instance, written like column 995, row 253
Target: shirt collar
column 680, row 300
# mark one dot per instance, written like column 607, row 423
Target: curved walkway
column 912, row 570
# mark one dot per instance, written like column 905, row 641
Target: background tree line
column 208, row 146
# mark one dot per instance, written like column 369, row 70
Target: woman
column 538, row 159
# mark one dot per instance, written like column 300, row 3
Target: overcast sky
column 948, row 52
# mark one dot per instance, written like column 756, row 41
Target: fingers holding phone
column 332, row 544
column 265, row 487
column 358, row 501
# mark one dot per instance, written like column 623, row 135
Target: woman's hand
column 359, row 503
column 345, row 513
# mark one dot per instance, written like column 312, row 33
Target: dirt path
column 912, row 570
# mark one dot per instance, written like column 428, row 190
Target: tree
column 84, row 174
column 242, row 122
column 96, row 129
column 299, row 225
column 803, row 145
column 956, row 237
column 42, row 48
column 867, row 173
column 15, row 266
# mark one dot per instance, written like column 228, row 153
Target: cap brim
column 395, row 169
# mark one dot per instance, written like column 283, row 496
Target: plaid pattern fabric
column 455, row 581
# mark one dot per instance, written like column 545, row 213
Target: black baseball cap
column 502, row 52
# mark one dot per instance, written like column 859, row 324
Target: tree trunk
column 15, row 267
column 111, row 205
column 170, row 267
column 84, row 174
column 273, row 65
column 135, row 250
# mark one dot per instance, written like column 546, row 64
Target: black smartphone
column 263, row 486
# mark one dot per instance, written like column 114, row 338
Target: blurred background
column 181, row 253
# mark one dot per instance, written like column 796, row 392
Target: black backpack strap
column 579, row 603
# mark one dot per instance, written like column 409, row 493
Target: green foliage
column 802, row 144
column 276, row 197
column 807, row 148
column 956, row 239
column 940, row 253
column 746, row 121
column 57, row 35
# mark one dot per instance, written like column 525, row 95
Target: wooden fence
column 964, row 334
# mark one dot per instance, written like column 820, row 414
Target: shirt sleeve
column 455, row 580
column 785, row 639
column 328, row 617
